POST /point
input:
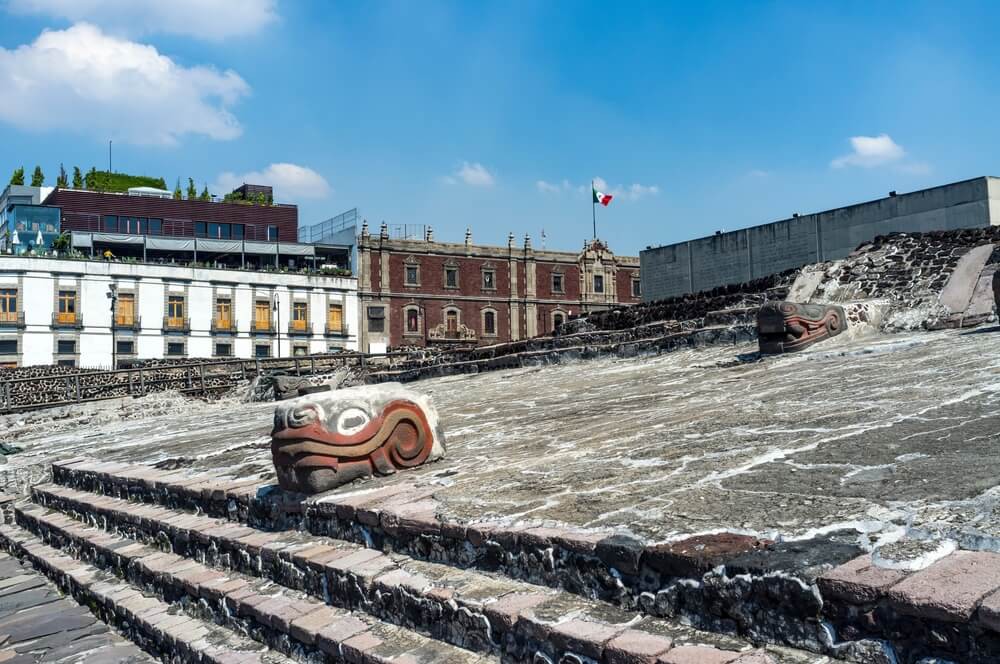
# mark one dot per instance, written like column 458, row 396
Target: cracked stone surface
column 872, row 434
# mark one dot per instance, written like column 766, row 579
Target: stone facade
column 423, row 292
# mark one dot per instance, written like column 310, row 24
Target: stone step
column 40, row 624
column 284, row 620
column 489, row 614
column 763, row 591
column 157, row 626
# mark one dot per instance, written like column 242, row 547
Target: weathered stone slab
column 950, row 589
column 858, row 581
column 694, row 556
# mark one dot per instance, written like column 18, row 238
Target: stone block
column 583, row 637
column 636, row 647
column 950, row 589
column 858, row 581
column 697, row 655
column 694, row 556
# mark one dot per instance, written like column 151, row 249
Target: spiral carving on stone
column 321, row 441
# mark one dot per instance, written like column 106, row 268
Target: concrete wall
column 746, row 254
column 38, row 279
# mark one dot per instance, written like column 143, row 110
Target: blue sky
column 496, row 116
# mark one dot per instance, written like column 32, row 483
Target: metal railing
column 258, row 326
column 224, row 325
column 176, row 324
column 67, row 319
column 127, row 322
column 12, row 319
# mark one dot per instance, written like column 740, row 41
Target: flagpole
column 593, row 208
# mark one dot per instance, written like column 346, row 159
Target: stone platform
column 593, row 478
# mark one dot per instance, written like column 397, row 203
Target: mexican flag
column 601, row 198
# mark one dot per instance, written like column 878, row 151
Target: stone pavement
column 39, row 624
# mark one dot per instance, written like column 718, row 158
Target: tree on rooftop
column 18, row 176
column 192, row 191
column 178, row 194
column 205, row 196
column 37, row 177
column 63, row 179
column 90, row 180
column 77, row 178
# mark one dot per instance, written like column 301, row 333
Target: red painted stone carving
column 786, row 327
column 321, row 441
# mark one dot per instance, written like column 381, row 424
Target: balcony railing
column 127, row 322
column 300, row 326
column 67, row 319
column 258, row 326
column 12, row 319
column 176, row 324
column 336, row 330
column 224, row 325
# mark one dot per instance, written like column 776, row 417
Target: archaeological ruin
column 646, row 484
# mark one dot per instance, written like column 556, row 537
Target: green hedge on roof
column 119, row 182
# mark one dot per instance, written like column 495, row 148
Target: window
column 489, row 280
column 598, row 283
column 272, row 233
column 200, row 229
column 66, row 362
column 223, row 313
column 636, row 288
column 224, row 350
column 300, row 315
column 66, row 346
column 412, row 320
column 125, row 347
column 376, row 319
column 557, row 283
column 489, row 323
column 557, row 321
column 451, row 277
column 125, row 311
column 262, row 315
column 237, row 230
column 66, row 307
column 8, row 305
column 175, row 309
column 412, row 275
column 110, row 224
column 8, row 346
column 335, row 318
column 300, row 350
column 262, row 350
column 175, row 348
column 155, row 227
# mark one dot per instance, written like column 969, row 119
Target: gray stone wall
column 746, row 254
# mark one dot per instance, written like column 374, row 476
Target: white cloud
column 83, row 80
column 550, row 188
column 758, row 174
column 290, row 182
column 205, row 19
column 474, row 175
column 870, row 151
column 632, row 192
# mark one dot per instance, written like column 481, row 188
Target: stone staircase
column 192, row 586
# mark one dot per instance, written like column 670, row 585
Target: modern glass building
column 29, row 228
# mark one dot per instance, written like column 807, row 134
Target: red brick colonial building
column 421, row 292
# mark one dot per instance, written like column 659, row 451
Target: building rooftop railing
column 214, row 199
column 208, row 265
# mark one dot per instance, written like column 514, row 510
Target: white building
column 59, row 311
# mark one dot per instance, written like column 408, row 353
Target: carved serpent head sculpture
column 786, row 327
column 323, row 440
